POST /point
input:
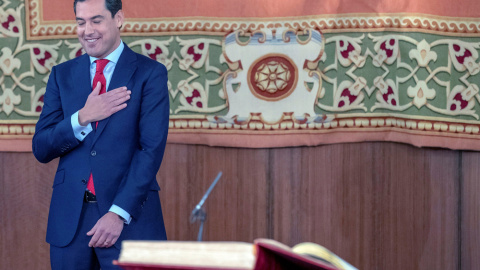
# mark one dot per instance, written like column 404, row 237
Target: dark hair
column 112, row 5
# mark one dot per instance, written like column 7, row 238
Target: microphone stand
column 198, row 212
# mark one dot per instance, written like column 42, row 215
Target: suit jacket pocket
column 59, row 178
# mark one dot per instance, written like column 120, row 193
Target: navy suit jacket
column 124, row 153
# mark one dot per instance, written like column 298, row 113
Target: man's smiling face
column 97, row 31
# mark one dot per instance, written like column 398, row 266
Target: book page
column 200, row 254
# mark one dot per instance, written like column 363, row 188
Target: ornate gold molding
column 290, row 125
column 16, row 130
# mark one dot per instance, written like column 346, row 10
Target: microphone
column 198, row 212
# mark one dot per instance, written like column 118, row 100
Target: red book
column 264, row 254
column 272, row 255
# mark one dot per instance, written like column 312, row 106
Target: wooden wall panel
column 236, row 208
column 470, row 215
column 325, row 195
column 25, row 190
column 378, row 205
column 415, row 207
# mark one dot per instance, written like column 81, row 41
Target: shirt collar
column 113, row 56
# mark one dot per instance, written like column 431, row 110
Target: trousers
column 78, row 255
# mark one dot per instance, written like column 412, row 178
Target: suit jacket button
column 84, row 181
column 93, row 153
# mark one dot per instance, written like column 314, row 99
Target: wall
column 378, row 205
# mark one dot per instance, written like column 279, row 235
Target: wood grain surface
column 378, row 205
column 470, row 210
column 25, row 190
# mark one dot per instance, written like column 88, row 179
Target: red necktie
column 99, row 77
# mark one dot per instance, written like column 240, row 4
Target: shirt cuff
column 80, row 131
column 119, row 211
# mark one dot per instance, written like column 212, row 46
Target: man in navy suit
column 110, row 141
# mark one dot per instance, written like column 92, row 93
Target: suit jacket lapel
column 122, row 74
column 80, row 75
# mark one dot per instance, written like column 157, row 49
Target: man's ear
column 119, row 19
